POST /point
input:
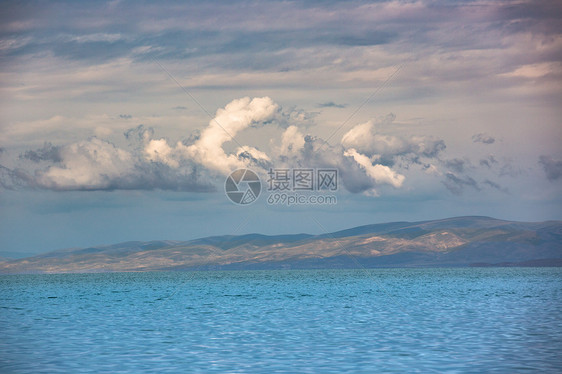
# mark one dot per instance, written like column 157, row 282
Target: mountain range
column 459, row 241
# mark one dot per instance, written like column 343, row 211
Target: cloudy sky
column 121, row 120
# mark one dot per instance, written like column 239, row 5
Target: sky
column 122, row 120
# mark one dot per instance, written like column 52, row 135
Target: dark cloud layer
column 552, row 167
column 457, row 184
column 257, row 35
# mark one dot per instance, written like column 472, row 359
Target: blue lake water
column 501, row 320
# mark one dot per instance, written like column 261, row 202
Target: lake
column 469, row 320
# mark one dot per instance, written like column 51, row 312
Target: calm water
column 392, row 320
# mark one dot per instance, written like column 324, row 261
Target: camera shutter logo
column 242, row 186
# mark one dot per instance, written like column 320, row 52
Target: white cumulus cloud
column 381, row 174
column 208, row 150
column 366, row 160
column 292, row 142
column 89, row 164
column 366, row 140
column 158, row 150
column 236, row 116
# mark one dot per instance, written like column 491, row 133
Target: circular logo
column 242, row 186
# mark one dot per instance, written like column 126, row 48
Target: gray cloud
column 508, row 169
column 125, row 116
column 541, row 16
column 139, row 135
column 495, row 186
column 11, row 179
column 552, row 167
column 331, row 104
column 294, row 116
column 433, row 147
column 47, row 153
column 503, row 167
column 489, row 161
column 457, row 184
column 457, row 165
column 483, row 138
column 248, row 158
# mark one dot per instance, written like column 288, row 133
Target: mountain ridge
column 455, row 241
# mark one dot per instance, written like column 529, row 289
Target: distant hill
column 460, row 241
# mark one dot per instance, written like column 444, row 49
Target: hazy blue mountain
column 459, row 241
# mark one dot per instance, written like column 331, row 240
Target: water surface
column 384, row 320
